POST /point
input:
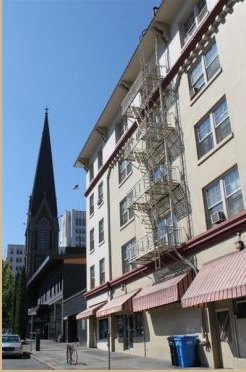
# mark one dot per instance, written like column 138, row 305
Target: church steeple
column 42, row 224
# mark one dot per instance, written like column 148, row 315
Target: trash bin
column 186, row 349
column 173, row 350
column 37, row 341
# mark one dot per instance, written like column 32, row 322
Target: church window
column 43, row 235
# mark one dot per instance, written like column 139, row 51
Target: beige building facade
column 166, row 191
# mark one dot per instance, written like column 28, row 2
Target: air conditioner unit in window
column 217, row 217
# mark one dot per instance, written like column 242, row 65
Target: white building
column 16, row 257
column 73, row 229
column 166, row 190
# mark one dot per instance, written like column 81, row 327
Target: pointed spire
column 44, row 183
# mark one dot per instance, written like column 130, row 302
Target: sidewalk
column 53, row 355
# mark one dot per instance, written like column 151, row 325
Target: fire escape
column 158, row 198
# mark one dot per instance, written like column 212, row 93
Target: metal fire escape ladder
column 153, row 147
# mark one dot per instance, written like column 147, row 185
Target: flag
column 76, row 187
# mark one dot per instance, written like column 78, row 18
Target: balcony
column 146, row 83
column 149, row 249
column 153, row 187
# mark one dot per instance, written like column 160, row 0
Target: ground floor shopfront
column 211, row 305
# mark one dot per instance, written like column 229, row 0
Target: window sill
column 92, row 250
column 101, row 243
column 215, row 149
column 126, row 224
column 197, row 95
column 100, row 204
column 91, row 215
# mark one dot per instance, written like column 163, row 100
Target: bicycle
column 72, row 354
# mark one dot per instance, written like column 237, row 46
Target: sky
column 67, row 55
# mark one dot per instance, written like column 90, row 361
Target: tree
column 21, row 318
column 14, row 302
column 7, row 295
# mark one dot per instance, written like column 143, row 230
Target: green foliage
column 20, row 318
column 14, row 302
column 7, row 295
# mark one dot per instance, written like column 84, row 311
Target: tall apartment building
column 73, row 229
column 16, row 257
column 166, row 190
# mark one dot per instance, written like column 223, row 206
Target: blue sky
column 67, row 55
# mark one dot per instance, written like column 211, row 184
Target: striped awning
column 117, row 305
column 166, row 292
column 220, row 279
column 91, row 311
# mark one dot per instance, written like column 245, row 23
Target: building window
column 92, row 240
column 120, row 129
column 100, row 194
column 224, row 323
column 224, row 195
column 125, row 168
column 43, row 235
column 167, row 230
column 91, row 172
column 102, row 270
column 100, row 158
column 192, row 21
column 126, row 214
column 101, row 230
column 204, row 69
column 132, row 323
column 92, row 276
column 103, row 329
column 91, row 204
column 127, row 253
column 213, row 128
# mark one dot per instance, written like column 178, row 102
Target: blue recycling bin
column 186, row 347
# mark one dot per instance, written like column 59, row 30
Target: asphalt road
column 15, row 363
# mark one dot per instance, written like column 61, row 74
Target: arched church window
column 43, row 235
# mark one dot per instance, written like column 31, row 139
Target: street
column 22, row 364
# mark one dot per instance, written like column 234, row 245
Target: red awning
column 91, row 311
column 117, row 305
column 220, row 279
column 166, row 292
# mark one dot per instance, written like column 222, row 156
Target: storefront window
column 103, row 329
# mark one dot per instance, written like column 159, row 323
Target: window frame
column 197, row 16
column 124, row 169
column 102, row 273
column 91, row 171
column 92, row 277
column 120, row 129
column 91, row 204
column 92, row 241
column 101, row 231
column 100, row 193
column 213, row 130
column 125, row 255
column 202, row 78
column 99, row 159
column 125, row 211
column 218, row 201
